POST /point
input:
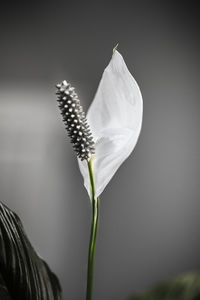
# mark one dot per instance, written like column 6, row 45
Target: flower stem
column 93, row 233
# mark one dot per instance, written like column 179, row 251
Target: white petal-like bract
column 115, row 119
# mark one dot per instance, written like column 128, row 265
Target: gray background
column 150, row 211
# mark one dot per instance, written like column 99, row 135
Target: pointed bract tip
column 115, row 48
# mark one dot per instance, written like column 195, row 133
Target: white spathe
column 115, row 120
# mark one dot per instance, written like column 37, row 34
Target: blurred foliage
column 182, row 287
column 24, row 275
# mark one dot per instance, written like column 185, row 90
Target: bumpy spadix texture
column 75, row 121
column 115, row 118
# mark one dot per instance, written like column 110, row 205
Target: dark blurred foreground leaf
column 183, row 287
column 23, row 274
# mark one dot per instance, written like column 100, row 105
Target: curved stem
column 93, row 233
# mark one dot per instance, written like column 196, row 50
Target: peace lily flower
column 106, row 137
column 115, row 119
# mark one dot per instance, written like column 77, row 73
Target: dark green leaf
column 23, row 274
column 4, row 294
column 183, row 287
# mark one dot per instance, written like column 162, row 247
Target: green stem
column 93, row 233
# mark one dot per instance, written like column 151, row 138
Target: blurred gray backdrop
column 150, row 211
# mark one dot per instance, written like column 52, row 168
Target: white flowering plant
column 105, row 137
